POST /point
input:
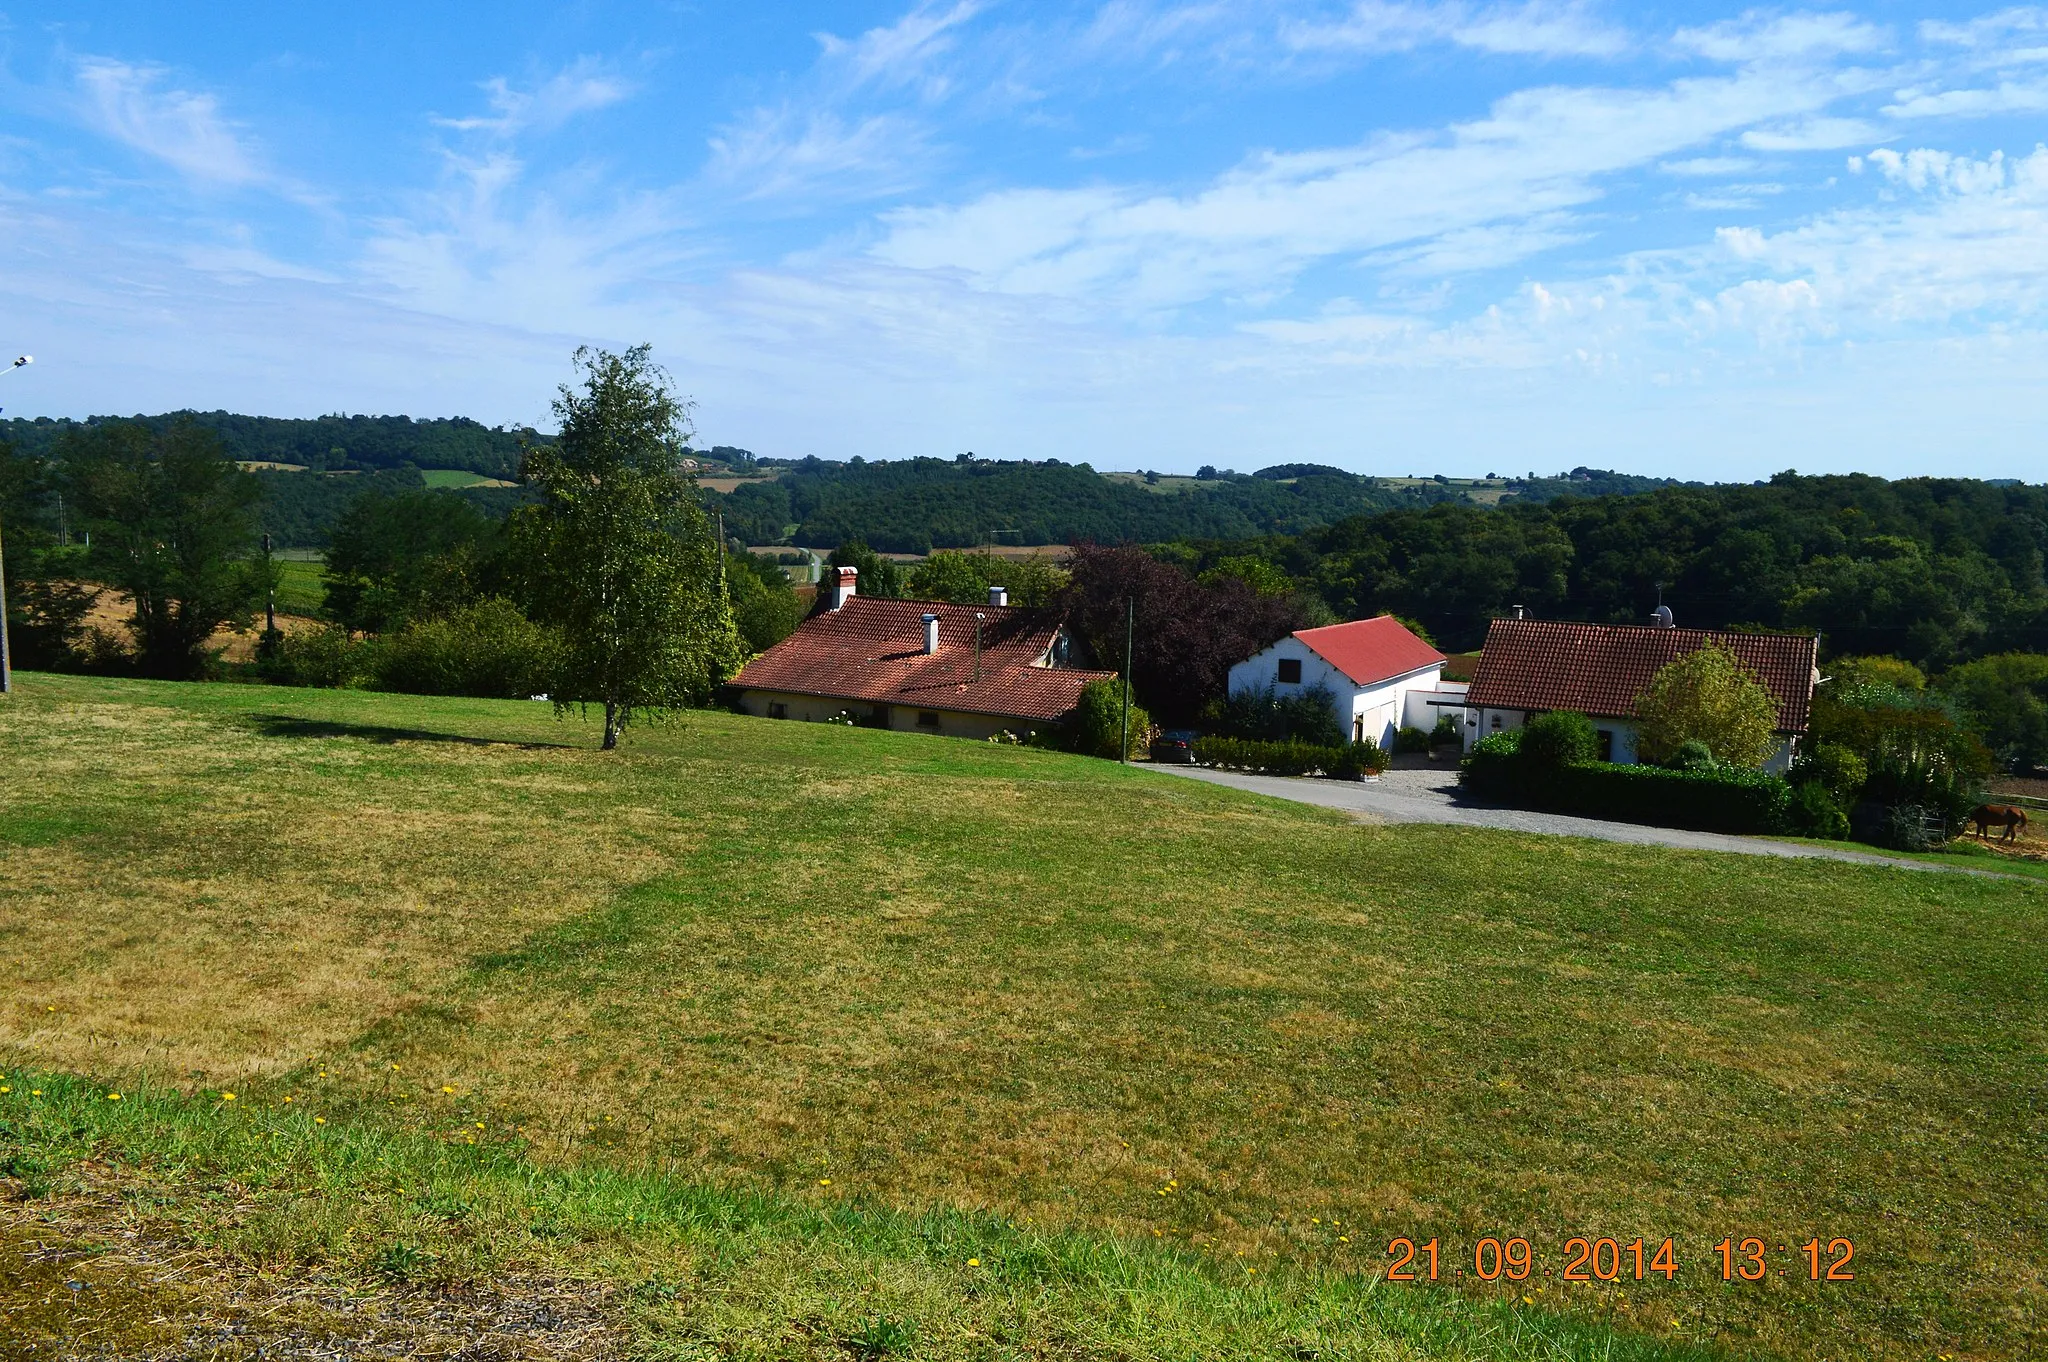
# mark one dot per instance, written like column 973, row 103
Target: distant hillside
column 916, row 505
column 327, row 442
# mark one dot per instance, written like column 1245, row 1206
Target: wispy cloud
column 135, row 104
column 1762, row 35
column 583, row 87
column 1536, row 27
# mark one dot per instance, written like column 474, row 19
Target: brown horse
column 2010, row 817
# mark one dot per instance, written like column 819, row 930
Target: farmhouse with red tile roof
column 1533, row 666
column 966, row 670
column 1380, row 675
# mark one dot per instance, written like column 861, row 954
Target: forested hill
column 916, row 505
column 325, row 442
column 1936, row 570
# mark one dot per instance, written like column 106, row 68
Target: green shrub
column 1098, row 721
column 329, row 657
column 1816, row 812
column 1834, row 767
column 1360, row 759
column 1558, row 739
column 1721, row 799
column 1692, row 755
column 1447, row 730
column 1411, row 740
column 488, row 649
column 1287, row 758
column 1308, row 716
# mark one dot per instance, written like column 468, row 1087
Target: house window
column 927, row 718
column 1358, row 728
column 1496, row 723
column 1605, row 741
column 777, row 710
column 1290, row 671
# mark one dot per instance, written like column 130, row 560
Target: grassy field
column 457, row 478
column 301, row 587
column 941, row 995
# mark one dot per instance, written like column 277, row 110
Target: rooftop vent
column 931, row 634
column 999, row 595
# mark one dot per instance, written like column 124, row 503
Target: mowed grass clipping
column 824, row 965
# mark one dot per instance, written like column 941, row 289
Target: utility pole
column 1130, row 628
column 270, row 599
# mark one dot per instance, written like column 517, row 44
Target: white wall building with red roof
column 1381, row 676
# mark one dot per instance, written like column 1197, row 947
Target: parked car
column 1175, row 746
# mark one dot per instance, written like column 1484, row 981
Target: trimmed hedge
column 1709, row 800
column 1292, row 758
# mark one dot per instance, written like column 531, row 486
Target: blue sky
column 1457, row 238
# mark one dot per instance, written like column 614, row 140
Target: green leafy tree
column 879, row 576
column 764, row 606
column 964, row 578
column 620, row 558
column 417, row 554
column 1707, row 697
column 45, row 609
column 2004, row 699
column 173, row 524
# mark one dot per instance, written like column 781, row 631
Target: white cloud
column 2006, row 97
column 1761, row 36
column 2000, row 30
column 1536, row 27
column 1813, row 134
column 186, row 130
column 581, row 88
column 903, row 53
column 818, row 155
column 1705, row 167
column 1537, row 153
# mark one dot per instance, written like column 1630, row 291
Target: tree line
column 609, row 588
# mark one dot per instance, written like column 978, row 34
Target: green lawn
column 824, row 1010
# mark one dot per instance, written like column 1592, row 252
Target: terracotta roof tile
column 872, row 651
column 1370, row 651
column 1600, row 669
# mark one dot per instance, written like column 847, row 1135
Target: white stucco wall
column 1375, row 711
column 1483, row 721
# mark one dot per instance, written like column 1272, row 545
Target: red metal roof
column 872, row 651
column 1601, row 669
column 1370, row 651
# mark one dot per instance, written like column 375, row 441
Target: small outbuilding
column 969, row 671
column 1381, row 675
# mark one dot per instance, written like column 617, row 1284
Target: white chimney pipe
column 931, row 635
column 999, row 595
column 844, row 586
column 1518, row 611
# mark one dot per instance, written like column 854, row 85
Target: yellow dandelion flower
column 394, row 1067
column 1528, row 1300
column 479, row 1125
column 113, row 1097
column 824, row 1182
column 974, row 1262
column 227, row 1097
column 287, row 1099
column 1343, row 1238
column 35, row 1092
column 446, row 1088
column 4, row 1088
column 319, row 1120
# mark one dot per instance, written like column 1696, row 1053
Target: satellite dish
column 1662, row 616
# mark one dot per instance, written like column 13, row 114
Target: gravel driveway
column 1430, row 795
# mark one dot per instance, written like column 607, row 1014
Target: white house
column 1381, row 675
column 1530, row 667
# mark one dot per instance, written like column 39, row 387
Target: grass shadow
column 291, row 726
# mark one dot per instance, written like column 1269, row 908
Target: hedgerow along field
column 810, row 1041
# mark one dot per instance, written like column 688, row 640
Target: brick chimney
column 842, row 589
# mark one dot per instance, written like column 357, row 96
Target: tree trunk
column 611, row 726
